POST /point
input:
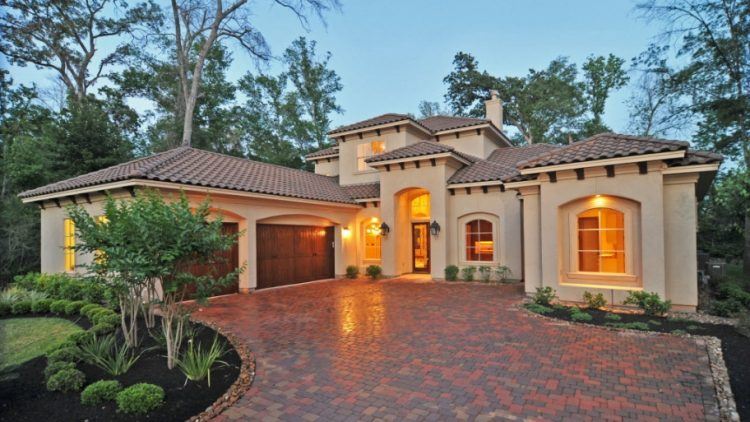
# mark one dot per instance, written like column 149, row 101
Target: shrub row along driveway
column 395, row 350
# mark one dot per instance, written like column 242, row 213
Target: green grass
column 23, row 339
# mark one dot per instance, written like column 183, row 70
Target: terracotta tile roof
column 203, row 168
column 500, row 165
column 334, row 150
column 440, row 123
column 602, row 146
column 375, row 121
column 363, row 190
column 419, row 149
column 698, row 157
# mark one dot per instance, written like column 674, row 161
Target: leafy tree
column 602, row 75
column 208, row 23
column 65, row 36
column 431, row 108
column 721, row 214
column 148, row 244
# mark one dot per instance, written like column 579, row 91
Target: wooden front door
column 228, row 261
column 293, row 254
column 420, row 242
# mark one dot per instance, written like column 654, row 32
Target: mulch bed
column 735, row 347
column 27, row 399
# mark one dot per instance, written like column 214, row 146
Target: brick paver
column 401, row 350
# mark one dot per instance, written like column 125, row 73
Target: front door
column 420, row 241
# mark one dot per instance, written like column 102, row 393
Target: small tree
column 147, row 245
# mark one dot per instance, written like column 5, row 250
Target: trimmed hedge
column 100, row 392
column 58, row 306
column 66, row 380
column 41, row 306
column 21, row 307
column 64, row 354
column 55, row 367
column 140, row 398
column 73, row 307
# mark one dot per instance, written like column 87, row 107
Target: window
column 367, row 150
column 601, row 241
column 99, row 256
column 420, row 206
column 372, row 241
column 69, row 243
column 480, row 245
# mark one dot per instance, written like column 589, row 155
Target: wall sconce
column 384, row 229
column 345, row 232
column 435, row 228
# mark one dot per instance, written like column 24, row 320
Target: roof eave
column 605, row 161
column 419, row 157
column 380, row 127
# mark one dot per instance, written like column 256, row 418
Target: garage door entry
column 228, row 261
column 293, row 254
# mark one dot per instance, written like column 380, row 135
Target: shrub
column 140, row 398
column 107, row 355
column 80, row 337
column 544, row 296
column 451, row 273
column 580, row 316
column 100, row 329
column 41, row 306
column 74, row 306
column 55, row 367
column 727, row 307
column 743, row 324
column 12, row 295
column 679, row 332
column 63, row 286
column 196, row 362
column 103, row 315
column 612, row 317
column 503, row 273
column 538, row 309
column 100, row 392
column 66, row 380
column 64, row 354
column 86, row 308
column 21, row 307
column 485, row 272
column 58, row 306
column 374, row 271
column 467, row 273
column 110, row 319
column 352, row 271
column 650, row 303
column 733, row 291
column 594, row 301
column 642, row 326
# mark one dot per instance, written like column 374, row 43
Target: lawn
column 23, row 339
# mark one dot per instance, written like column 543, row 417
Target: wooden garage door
column 293, row 254
column 229, row 262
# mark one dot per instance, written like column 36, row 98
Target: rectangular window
column 367, row 150
column 601, row 241
column 372, row 242
column 480, row 245
column 69, row 243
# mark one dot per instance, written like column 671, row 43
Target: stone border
column 727, row 408
column 240, row 386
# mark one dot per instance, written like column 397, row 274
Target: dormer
column 326, row 161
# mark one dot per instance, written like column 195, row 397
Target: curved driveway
column 406, row 350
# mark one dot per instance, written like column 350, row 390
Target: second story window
column 367, row 150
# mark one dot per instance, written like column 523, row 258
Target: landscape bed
column 26, row 398
column 735, row 347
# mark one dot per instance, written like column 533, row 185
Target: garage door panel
column 227, row 262
column 293, row 254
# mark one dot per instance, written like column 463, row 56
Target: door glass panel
column 420, row 238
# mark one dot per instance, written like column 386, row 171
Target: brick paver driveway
column 402, row 350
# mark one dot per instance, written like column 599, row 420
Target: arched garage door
column 293, row 254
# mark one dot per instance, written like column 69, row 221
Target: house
column 608, row 214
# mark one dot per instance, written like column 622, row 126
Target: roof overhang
column 322, row 157
column 380, row 127
column 606, row 161
column 475, row 184
column 488, row 126
column 418, row 158
column 185, row 187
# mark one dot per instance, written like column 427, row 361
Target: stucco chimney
column 493, row 109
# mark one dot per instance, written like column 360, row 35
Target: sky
column 391, row 54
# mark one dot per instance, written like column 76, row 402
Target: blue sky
column 390, row 55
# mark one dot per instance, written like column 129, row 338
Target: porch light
column 346, row 232
column 435, row 228
column 384, row 229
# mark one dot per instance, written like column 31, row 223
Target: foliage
column 650, row 303
column 612, row 317
column 743, row 323
column 23, row 339
column 4, row 308
column 451, row 273
column 374, row 271
column 41, row 306
column 485, row 272
column 100, row 392
column 726, row 308
column 503, row 273
column 594, row 301
column 578, row 315
column 733, row 291
column 196, row 362
column 102, row 328
column 467, row 273
column 641, row 326
column 65, row 354
column 544, row 296
column 21, row 307
column 352, row 271
column 58, row 306
column 140, row 398
column 537, row 308
column 602, row 75
column 80, row 337
column 105, row 353
column 74, row 306
column 721, row 215
column 85, row 309
column 430, row 109
column 54, row 367
column 66, row 380
column 64, row 286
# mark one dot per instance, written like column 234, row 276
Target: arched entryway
column 413, row 211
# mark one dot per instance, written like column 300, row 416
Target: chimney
column 493, row 109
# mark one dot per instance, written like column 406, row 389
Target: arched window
column 420, row 206
column 372, row 241
column 601, row 241
column 480, row 243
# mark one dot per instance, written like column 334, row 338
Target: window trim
column 364, row 242
column 496, row 239
column 367, row 153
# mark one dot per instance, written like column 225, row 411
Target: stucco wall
column 326, row 167
column 470, row 143
column 680, row 225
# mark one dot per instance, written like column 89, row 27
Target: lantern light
column 384, row 229
column 435, row 228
